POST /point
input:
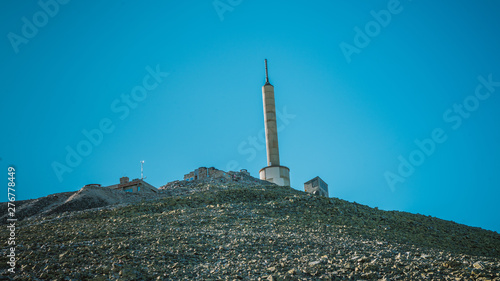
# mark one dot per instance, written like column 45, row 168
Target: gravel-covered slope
column 83, row 199
column 237, row 231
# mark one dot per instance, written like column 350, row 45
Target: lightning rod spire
column 267, row 76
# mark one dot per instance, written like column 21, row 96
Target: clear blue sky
column 358, row 83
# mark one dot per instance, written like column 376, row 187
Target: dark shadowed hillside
column 249, row 231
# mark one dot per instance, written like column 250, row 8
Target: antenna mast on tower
column 267, row 76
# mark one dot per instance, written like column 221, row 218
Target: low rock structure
column 205, row 173
column 189, row 185
column 210, row 173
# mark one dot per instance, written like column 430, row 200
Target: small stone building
column 204, row 173
column 316, row 186
column 136, row 185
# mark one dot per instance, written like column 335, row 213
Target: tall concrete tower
column 274, row 173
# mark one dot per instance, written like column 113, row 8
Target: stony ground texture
column 238, row 231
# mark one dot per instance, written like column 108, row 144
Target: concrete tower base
column 279, row 175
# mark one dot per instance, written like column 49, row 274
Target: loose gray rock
column 247, row 231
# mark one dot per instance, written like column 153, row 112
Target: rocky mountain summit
column 241, row 230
